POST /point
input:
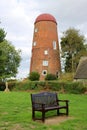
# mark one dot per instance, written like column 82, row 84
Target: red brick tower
column 45, row 57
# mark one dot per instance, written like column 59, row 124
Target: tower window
column 34, row 43
column 45, row 63
column 36, row 30
column 44, row 72
column 54, row 45
column 46, row 52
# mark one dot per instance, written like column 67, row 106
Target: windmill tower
column 45, row 57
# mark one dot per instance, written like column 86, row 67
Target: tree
column 9, row 58
column 73, row 47
column 2, row 35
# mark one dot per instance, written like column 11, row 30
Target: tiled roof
column 45, row 17
column 81, row 72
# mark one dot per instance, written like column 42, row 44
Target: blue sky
column 17, row 18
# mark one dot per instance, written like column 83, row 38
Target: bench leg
column 57, row 111
column 43, row 116
column 33, row 115
column 67, row 111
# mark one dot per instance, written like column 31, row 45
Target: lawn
column 15, row 113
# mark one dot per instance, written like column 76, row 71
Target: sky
column 17, row 17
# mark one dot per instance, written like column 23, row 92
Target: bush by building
column 34, row 76
column 50, row 77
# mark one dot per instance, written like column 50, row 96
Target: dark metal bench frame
column 47, row 101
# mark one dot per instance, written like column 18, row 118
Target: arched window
column 44, row 72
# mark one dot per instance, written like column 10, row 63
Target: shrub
column 75, row 87
column 68, row 87
column 26, row 86
column 34, row 76
column 11, row 84
column 2, row 86
column 61, row 87
column 41, row 83
column 50, row 77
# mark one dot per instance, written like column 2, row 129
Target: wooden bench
column 47, row 101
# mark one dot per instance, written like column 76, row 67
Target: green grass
column 15, row 113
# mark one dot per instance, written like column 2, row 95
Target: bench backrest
column 48, row 98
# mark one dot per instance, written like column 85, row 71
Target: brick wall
column 45, row 32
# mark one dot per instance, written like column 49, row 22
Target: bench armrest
column 66, row 101
column 62, row 100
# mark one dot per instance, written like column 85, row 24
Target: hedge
column 62, row 87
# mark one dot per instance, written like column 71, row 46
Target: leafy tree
column 2, row 35
column 73, row 47
column 9, row 58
